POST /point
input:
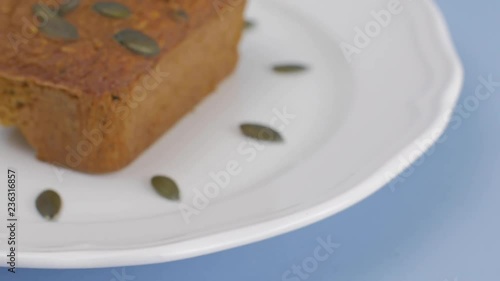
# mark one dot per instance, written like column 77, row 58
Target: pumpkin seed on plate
column 289, row 68
column 112, row 9
column 68, row 6
column 166, row 187
column 260, row 132
column 48, row 204
column 137, row 42
column 59, row 28
column 249, row 24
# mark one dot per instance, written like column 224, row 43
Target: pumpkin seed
column 48, row 204
column 59, row 28
column 166, row 187
column 137, row 42
column 180, row 15
column 68, row 6
column 249, row 24
column 289, row 68
column 260, row 132
column 112, row 9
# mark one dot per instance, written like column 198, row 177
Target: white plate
column 354, row 126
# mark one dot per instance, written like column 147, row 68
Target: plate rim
column 245, row 235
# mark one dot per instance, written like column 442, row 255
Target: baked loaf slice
column 92, row 101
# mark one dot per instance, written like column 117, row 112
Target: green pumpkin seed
column 180, row 16
column 112, row 9
column 48, row 204
column 59, row 28
column 166, row 187
column 137, row 42
column 289, row 68
column 68, row 6
column 260, row 132
column 249, row 24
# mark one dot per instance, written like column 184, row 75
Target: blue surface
column 442, row 223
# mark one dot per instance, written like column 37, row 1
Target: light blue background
column 442, row 223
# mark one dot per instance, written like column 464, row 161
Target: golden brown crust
column 94, row 64
column 80, row 104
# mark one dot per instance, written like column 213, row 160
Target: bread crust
column 94, row 106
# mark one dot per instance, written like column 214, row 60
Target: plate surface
column 351, row 123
